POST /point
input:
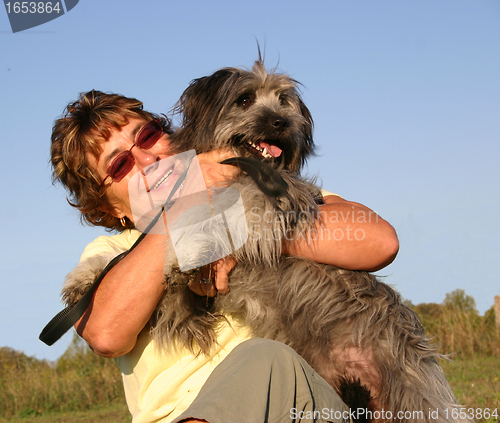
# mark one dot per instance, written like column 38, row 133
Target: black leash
column 266, row 177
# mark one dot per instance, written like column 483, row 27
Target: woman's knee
column 261, row 355
column 265, row 348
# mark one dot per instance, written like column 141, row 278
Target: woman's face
column 120, row 141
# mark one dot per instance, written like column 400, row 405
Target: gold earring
column 122, row 221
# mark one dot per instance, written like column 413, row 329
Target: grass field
column 115, row 413
column 476, row 383
column 84, row 388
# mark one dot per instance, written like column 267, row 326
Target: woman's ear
column 117, row 213
column 113, row 211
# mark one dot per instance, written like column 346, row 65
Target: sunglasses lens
column 149, row 135
column 122, row 164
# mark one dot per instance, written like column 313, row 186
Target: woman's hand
column 223, row 268
column 218, row 274
column 214, row 173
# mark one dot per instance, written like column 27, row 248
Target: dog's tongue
column 271, row 149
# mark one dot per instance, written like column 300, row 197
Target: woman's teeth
column 165, row 177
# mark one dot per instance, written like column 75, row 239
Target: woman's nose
column 144, row 158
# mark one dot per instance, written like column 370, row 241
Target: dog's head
column 257, row 113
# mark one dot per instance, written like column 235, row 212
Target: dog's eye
column 245, row 101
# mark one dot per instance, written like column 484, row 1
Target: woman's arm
column 350, row 236
column 125, row 300
column 128, row 295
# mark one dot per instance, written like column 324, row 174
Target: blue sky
column 405, row 96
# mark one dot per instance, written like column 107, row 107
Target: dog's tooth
column 253, row 145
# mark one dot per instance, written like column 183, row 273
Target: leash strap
column 267, row 178
column 67, row 318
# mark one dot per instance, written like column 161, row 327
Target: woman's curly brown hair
column 81, row 130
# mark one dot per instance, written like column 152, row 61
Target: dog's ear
column 200, row 106
column 295, row 158
column 201, row 95
column 308, row 147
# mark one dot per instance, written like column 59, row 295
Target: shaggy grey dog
column 347, row 324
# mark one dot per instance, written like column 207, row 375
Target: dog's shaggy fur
column 347, row 324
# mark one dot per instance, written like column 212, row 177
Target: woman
column 99, row 143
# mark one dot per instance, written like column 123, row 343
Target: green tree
column 458, row 299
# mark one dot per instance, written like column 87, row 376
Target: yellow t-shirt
column 325, row 193
column 159, row 384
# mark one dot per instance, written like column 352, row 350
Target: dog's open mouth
column 263, row 149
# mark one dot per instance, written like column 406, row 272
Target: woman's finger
column 222, row 269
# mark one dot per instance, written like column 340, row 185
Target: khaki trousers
column 266, row 381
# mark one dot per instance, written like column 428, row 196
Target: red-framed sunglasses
column 147, row 136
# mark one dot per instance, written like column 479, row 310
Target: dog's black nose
column 279, row 122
